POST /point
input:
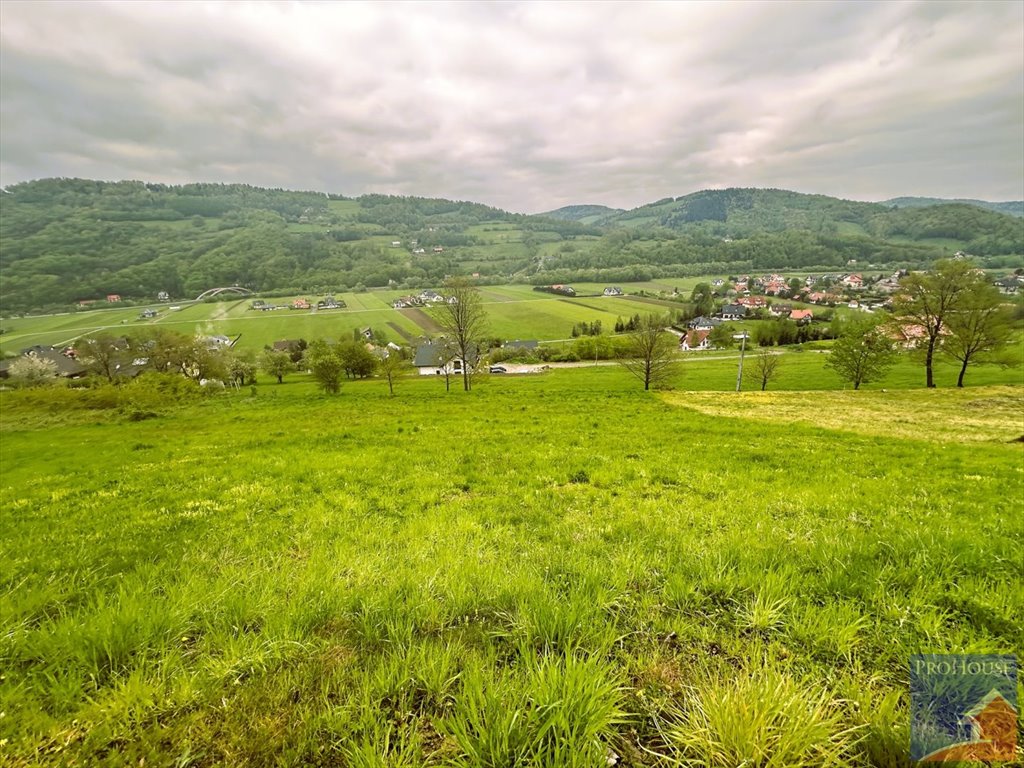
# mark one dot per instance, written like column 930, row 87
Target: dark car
column 499, row 369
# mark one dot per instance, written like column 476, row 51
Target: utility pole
column 743, row 347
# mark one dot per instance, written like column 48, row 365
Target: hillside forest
column 66, row 241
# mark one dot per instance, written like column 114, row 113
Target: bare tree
column 650, row 352
column 464, row 322
column 765, row 367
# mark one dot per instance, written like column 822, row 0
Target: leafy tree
column 325, row 363
column 650, row 352
column 464, row 320
column 765, row 367
column 862, row 353
column 980, row 328
column 721, row 336
column 703, row 299
column 242, row 368
column 173, row 352
column 928, row 299
column 276, row 363
column 392, row 364
column 32, row 370
column 358, row 361
column 103, row 354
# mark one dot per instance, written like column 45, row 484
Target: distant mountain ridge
column 1009, row 207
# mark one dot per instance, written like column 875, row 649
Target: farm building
column 438, row 359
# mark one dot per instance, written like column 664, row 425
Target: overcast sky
column 527, row 106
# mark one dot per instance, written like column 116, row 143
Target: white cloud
column 528, row 106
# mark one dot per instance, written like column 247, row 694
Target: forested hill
column 67, row 240
column 589, row 214
column 1011, row 207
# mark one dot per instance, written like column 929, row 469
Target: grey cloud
column 527, row 106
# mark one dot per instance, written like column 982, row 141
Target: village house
column 733, row 312
column 752, row 302
column 163, row 296
column 291, row 346
column 613, row 290
column 704, row 323
column 695, row 340
column 801, row 316
column 439, row 359
column 300, row 304
column 66, row 365
column 1009, row 285
column 780, row 310
column 113, row 298
column 146, row 314
column 909, row 335
column 219, row 341
column 853, row 282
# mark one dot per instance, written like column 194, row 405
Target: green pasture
column 552, row 570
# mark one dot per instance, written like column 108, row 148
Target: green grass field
column 515, row 312
column 552, row 570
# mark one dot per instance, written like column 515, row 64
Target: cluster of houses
column 425, row 298
column 416, row 248
column 559, row 289
column 328, row 302
column 64, row 359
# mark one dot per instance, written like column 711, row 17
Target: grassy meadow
column 552, row 570
column 514, row 312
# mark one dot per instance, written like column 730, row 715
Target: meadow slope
column 556, row 570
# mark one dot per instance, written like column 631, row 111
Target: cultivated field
column 514, row 312
column 552, row 570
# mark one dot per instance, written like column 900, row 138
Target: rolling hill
column 67, row 240
column 589, row 214
column 1010, row 207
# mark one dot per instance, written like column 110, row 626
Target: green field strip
column 423, row 321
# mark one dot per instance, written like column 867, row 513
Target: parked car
column 498, row 369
